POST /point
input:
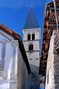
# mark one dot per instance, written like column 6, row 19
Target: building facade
column 13, row 60
column 49, row 26
column 32, row 41
column 49, row 59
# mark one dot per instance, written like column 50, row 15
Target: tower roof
column 31, row 21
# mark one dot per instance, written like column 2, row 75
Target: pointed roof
column 31, row 21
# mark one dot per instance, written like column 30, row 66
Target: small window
column 33, row 36
column 29, row 36
column 31, row 47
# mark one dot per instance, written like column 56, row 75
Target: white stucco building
column 14, row 67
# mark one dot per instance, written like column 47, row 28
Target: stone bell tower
column 32, row 41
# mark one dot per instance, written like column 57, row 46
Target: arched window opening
column 29, row 37
column 33, row 36
column 31, row 47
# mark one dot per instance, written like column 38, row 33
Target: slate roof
column 31, row 21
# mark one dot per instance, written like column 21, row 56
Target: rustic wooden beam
column 9, row 31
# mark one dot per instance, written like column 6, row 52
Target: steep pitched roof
column 31, row 21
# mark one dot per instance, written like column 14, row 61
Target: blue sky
column 13, row 13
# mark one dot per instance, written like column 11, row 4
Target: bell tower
column 32, row 41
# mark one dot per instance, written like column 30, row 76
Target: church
column 32, row 41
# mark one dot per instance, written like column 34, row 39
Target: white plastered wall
column 50, row 66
